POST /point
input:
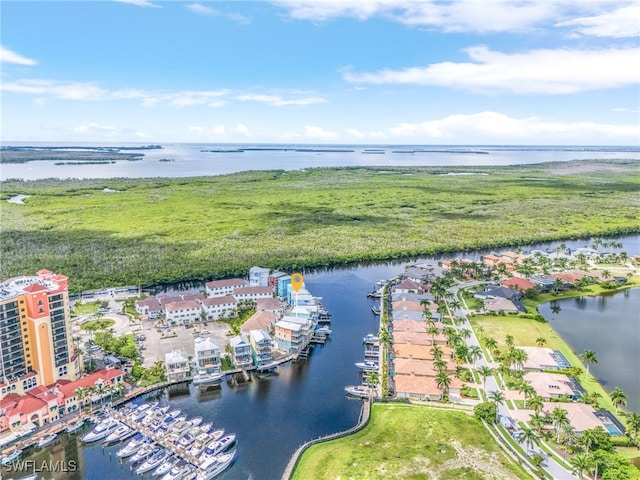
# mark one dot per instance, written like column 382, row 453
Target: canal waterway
column 273, row 415
column 609, row 325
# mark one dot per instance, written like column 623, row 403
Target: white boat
column 323, row 331
column 367, row 366
column 103, row 429
column 215, row 466
column 186, row 440
column 165, row 467
column 214, row 447
column 152, row 462
column 195, row 421
column 11, row 457
column 178, row 471
column 121, row 433
column 145, row 452
column 197, row 447
column 206, row 427
column 359, row 391
column 74, row 427
column 204, row 378
column 46, row 440
column 132, row 447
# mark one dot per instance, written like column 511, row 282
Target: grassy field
column 411, row 442
column 153, row 231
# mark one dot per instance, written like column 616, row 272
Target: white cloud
column 140, row 3
column 201, row 9
column 88, row 91
column 9, row 56
column 315, row 132
column 372, row 135
column 619, row 23
column 501, row 128
column 278, row 101
column 453, row 16
column 220, row 132
column 558, row 71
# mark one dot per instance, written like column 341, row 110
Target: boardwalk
column 362, row 421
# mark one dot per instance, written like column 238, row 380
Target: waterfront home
column 500, row 305
column 289, row 337
column 252, row 293
column 258, row 277
column 176, row 364
column 261, row 320
column 183, row 313
column 422, row 273
column 581, row 417
column 412, row 297
column 518, row 283
column 149, row 306
column 260, row 342
column 540, row 358
column 301, row 297
column 413, row 326
column 409, row 286
column 410, row 366
column 424, row 338
column 281, row 282
column 545, row 282
column 410, row 315
column 423, row 387
column 215, row 308
column 207, row 358
column 554, row 385
column 411, row 306
column 494, row 292
column 418, row 352
column 221, row 288
column 240, row 351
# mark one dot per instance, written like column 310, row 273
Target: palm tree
column 537, row 421
column 433, row 331
column 529, row 436
column 528, row 390
column 440, row 365
column 484, row 372
column 475, row 353
column 581, row 464
column 498, row 398
column 591, row 398
column 559, row 419
column 589, row 357
column 372, row 379
column 540, row 341
column 536, row 403
column 519, row 356
column 436, row 351
column 491, row 344
column 443, row 381
column 509, row 340
column 618, row 397
column 633, row 424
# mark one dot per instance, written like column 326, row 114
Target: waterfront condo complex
column 36, row 345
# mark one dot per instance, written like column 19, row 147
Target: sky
column 464, row 72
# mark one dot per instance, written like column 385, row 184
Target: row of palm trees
column 101, row 390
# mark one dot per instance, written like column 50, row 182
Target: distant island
column 71, row 155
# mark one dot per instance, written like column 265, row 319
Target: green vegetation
column 89, row 308
column 155, row 231
column 94, row 325
column 525, row 332
column 410, row 441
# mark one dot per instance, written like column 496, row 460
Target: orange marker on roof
column 296, row 281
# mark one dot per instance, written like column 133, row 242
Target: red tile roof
column 35, row 287
column 230, row 282
column 106, row 375
column 518, row 283
column 212, row 301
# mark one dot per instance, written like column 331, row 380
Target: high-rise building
column 36, row 345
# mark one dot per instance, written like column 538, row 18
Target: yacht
column 152, row 462
column 215, row 466
column 165, row 467
column 74, row 427
column 132, row 447
column 121, row 433
column 180, row 470
column 104, row 428
column 11, row 457
column 367, row 366
column 214, row 447
column 196, row 421
column 203, row 378
column 46, row 440
column 144, row 452
column 359, row 391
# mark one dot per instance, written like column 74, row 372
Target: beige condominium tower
column 36, row 345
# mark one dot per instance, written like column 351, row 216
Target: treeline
column 162, row 231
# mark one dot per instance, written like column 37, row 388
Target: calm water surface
column 610, row 326
column 189, row 161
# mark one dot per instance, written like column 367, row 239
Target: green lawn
column 411, row 442
column 154, row 231
column 102, row 324
column 88, row 308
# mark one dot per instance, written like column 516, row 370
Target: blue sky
column 562, row 72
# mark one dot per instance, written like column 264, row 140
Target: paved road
column 551, row 466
